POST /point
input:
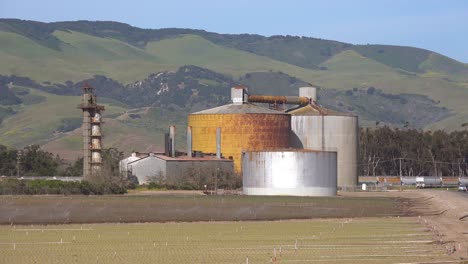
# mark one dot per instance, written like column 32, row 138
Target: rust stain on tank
column 240, row 132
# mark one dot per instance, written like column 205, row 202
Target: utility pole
column 401, row 180
column 400, row 169
column 19, row 155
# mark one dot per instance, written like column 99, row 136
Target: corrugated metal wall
column 330, row 132
column 146, row 168
column 170, row 171
column 298, row 173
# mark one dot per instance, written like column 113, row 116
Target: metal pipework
column 270, row 99
column 167, row 144
column 218, row 142
column 189, row 141
column 172, row 138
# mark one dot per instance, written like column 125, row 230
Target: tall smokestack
column 167, row 144
column 309, row 92
column 92, row 137
column 218, row 142
column 172, row 139
column 189, row 141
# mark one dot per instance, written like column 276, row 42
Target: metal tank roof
column 310, row 110
column 245, row 108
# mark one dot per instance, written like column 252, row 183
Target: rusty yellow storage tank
column 244, row 127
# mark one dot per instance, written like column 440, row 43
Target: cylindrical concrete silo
column 290, row 172
column 322, row 129
column 243, row 126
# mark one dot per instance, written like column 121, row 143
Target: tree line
column 382, row 151
column 411, row 152
column 33, row 161
column 36, row 187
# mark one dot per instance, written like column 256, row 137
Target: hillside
column 140, row 74
column 300, row 51
column 139, row 114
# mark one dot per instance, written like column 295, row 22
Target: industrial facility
column 92, row 137
column 161, row 168
column 314, row 127
column 301, row 150
column 244, row 127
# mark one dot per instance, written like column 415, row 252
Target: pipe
column 172, row 138
column 270, row 99
column 189, row 141
column 218, row 142
column 167, row 145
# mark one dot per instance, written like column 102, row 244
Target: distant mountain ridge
column 304, row 52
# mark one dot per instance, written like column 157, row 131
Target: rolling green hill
column 39, row 122
column 63, row 54
column 44, row 123
column 304, row 52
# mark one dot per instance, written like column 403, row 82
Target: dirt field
column 450, row 227
column 188, row 207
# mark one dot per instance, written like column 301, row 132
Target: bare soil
column 450, row 227
column 188, row 207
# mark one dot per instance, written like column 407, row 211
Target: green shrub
column 40, row 187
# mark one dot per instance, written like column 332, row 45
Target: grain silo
column 317, row 128
column 290, row 172
column 244, row 127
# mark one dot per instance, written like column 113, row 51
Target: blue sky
column 441, row 26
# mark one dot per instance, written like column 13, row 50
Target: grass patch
column 69, row 124
column 376, row 240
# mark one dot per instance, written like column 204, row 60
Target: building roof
column 187, row 158
column 245, row 108
column 181, row 158
column 310, row 110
